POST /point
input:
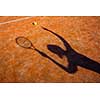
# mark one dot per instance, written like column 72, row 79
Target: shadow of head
column 57, row 50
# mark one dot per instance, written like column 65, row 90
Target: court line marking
column 16, row 20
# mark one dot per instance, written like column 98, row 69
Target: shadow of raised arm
column 67, row 46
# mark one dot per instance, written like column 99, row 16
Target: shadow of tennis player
column 74, row 58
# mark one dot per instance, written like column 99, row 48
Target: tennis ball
column 34, row 23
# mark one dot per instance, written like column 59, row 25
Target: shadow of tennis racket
column 26, row 43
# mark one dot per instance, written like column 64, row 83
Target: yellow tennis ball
column 34, row 23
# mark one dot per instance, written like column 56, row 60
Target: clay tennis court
column 18, row 64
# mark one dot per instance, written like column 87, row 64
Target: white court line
column 16, row 20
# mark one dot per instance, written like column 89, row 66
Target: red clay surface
column 18, row 64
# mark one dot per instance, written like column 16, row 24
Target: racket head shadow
column 24, row 42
